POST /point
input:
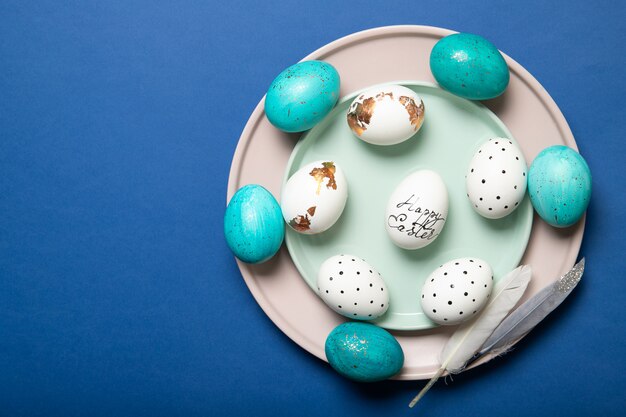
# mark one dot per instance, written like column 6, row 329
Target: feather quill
column 469, row 337
column 528, row 315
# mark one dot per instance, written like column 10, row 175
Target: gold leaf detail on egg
column 382, row 95
column 416, row 113
column 360, row 115
column 326, row 171
column 300, row 223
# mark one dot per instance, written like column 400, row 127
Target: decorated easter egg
column 469, row 66
column 352, row 287
column 496, row 178
column 302, row 95
column 363, row 352
column 253, row 224
column 559, row 185
column 457, row 291
column 386, row 115
column 417, row 210
column 314, row 197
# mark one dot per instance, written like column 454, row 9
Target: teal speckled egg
column 469, row 66
column 363, row 352
column 559, row 185
column 253, row 224
column 302, row 95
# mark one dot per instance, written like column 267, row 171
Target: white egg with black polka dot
column 457, row 291
column 496, row 178
column 352, row 287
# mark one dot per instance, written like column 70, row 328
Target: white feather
column 469, row 337
column 531, row 313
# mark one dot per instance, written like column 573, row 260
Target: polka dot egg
column 352, row 287
column 457, row 291
column 496, row 178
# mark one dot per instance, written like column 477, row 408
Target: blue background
column 118, row 295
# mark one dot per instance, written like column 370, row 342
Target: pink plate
column 373, row 57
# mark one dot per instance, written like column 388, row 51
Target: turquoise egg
column 363, row 352
column 302, row 95
column 559, row 185
column 469, row 66
column 253, row 224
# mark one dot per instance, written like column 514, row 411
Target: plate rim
column 300, row 338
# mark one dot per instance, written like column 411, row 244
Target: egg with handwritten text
column 352, row 287
column 314, row 197
column 457, row 291
column 417, row 210
column 496, row 178
column 386, row 115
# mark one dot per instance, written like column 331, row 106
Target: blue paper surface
column 118, row 294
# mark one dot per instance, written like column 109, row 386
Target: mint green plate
column 453, row 130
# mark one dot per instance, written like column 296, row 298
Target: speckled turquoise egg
column 253, row 224
column 469, row 66
column 302, row 95
column 363, row 352
column 559, row 185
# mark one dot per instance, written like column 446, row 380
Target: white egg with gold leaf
column 314, row 197
column 386, row 115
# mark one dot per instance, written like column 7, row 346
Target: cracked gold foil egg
column 314, row 197
column 386, row 115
